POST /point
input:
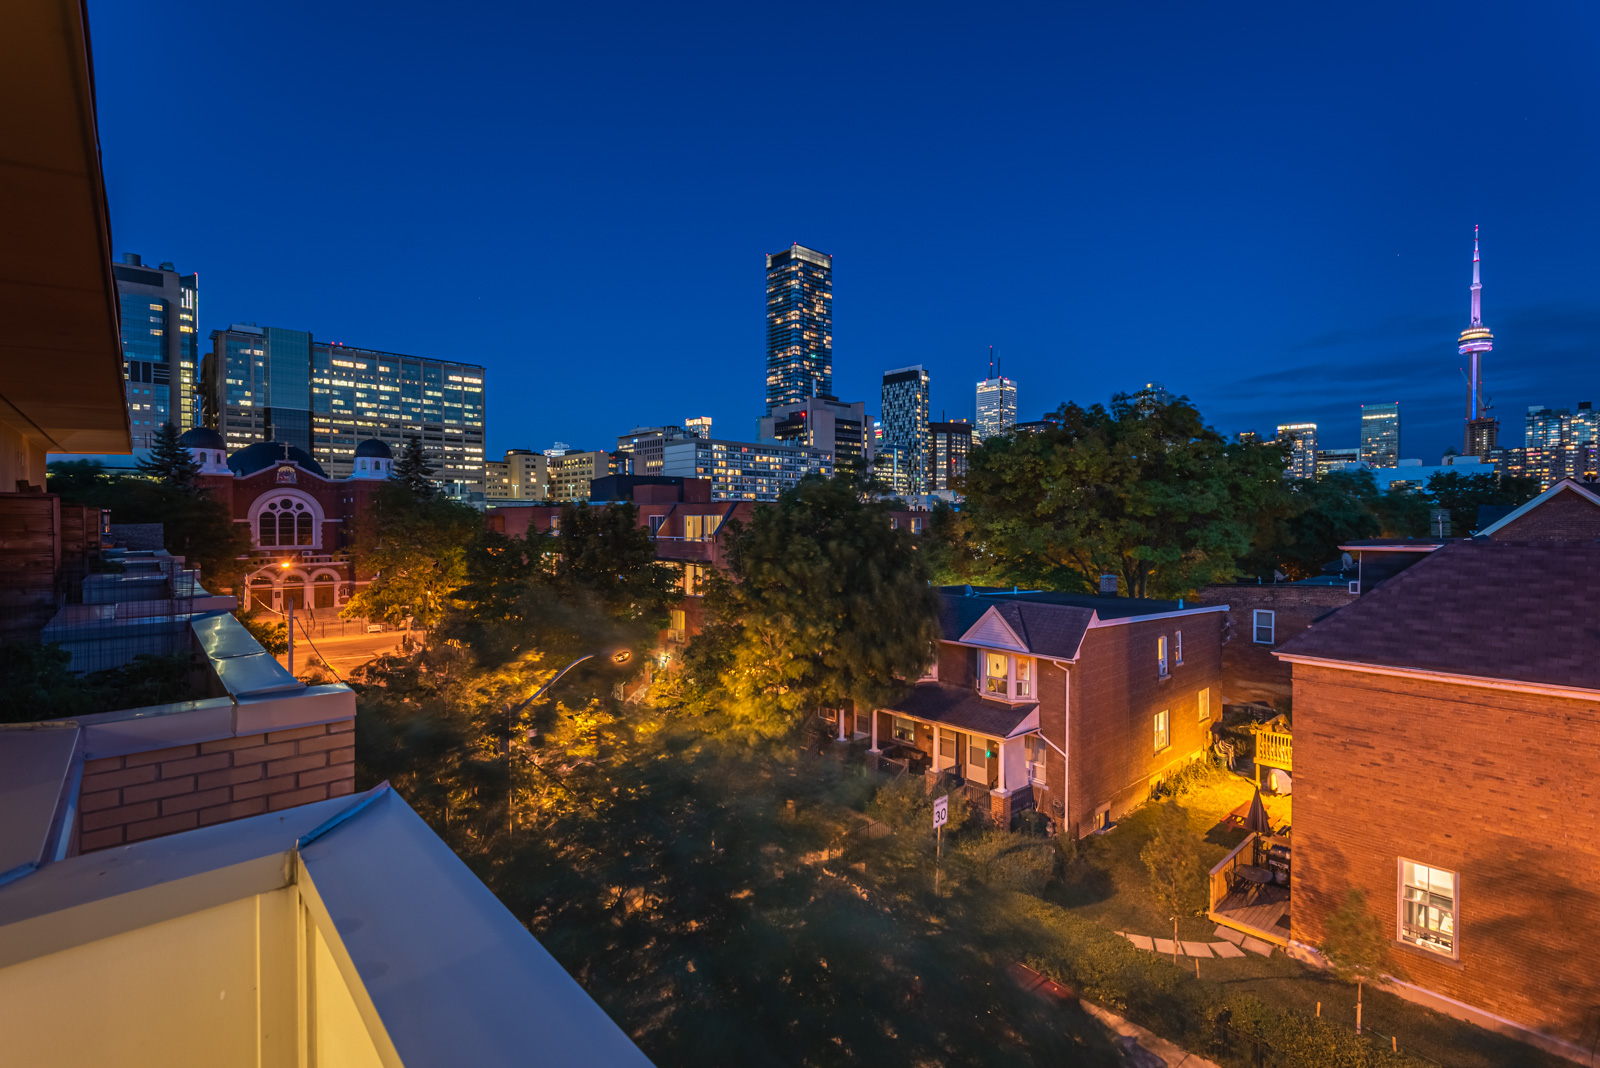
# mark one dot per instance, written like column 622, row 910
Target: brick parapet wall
column 163, row 791
column 1495, row 785
column 1250, row 673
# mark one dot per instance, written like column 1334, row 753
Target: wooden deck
column 1267, row 917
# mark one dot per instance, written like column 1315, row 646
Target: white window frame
column 1162, row 670
column 1204, row 701
column 1022, row 689
column 1454, row 911
column 988, row 679
column 1264, row 617
column 1177, row 647
column 1162, row 738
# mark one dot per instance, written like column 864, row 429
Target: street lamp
column 621, row 656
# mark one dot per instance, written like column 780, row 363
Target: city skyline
column 1329, row 277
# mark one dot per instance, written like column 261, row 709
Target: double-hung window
column 1428, row 907
column 905, row 730
column 1264, row 625
column 1161, row 657
column 997, row 674
column 1204, row 701
column 1024, row 681
column 1177, row 647
column 1163, row 730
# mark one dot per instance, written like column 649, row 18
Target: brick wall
column 1116, row 693
column 1565, row 517
column 146, row 795
column 1250, row 673
column 1497, row 786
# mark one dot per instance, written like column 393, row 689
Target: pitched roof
column 962, row 708
column 1490, row 610
column 1049, row 624
column 1566, row 485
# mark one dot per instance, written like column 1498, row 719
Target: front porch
column 989, row 750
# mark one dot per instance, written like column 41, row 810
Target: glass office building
column 1303, row 437
column 273, row 384
column 1380, row 435
column 799, row 326
column 826, row 424
column 905, row 427
column 950, row 443
column 160, row 344
column 997, row 407
column 744, row 470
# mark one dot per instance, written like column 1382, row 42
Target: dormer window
column 1007, row 677
column 998, row 677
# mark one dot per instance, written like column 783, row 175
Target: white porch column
column 842, row 735
column 874, row 748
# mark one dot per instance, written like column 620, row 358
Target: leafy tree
column 606, row 551
column 1353, row 941
column 1172, row 857
column 413, row 471
column 1142, row 489
column 274, row 637
column 1327, row 512
column 172, row 463
column 827, row 603
column 414, row 546
column 39, row 683
column 1463, row 495
column 1402, row 514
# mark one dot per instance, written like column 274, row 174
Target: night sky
column 1265, row 207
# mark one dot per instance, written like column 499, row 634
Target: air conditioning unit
column 1355, row 588
column 1036, row 771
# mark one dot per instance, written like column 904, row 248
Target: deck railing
column 1275, row 749
column 1218, row 880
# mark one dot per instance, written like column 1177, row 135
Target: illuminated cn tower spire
column 1474, row 342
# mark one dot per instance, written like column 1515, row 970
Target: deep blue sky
column 1267, row 207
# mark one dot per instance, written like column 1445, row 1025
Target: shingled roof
column 1049, row 624
column 963, row 708
column 1490, row 610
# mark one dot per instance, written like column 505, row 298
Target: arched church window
column 285, row 521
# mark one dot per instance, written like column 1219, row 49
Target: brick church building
column 297, row 516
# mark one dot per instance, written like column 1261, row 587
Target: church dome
column 265, row 454
column 372, row 447
column 202, row 437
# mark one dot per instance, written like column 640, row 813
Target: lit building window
column 1163, row 733
column 1428, row 907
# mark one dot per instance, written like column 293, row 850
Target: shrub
column 1008, row 861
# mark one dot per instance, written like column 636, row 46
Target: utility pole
column 291, row 635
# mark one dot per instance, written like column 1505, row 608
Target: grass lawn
column 1110, row 885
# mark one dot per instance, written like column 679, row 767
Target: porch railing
column 1275, row 749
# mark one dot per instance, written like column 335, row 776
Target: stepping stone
column 1195, row 949
column 1255, row 945
column 1230, row 934
column 1226, row 949
column 1165, row 947
column 1141, row 941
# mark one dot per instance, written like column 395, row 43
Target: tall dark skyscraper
column 905, row 429
column 160, row 342
column 799, row 326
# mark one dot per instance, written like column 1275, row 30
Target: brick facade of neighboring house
column 144, row 795
column 1094, row 697
column 1429, row 744
column 1250, row 673
column 1566, row 512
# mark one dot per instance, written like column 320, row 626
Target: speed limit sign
column 941, row 811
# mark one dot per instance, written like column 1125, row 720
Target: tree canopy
column 414, row 547
column 826, row 603
column 172, row 463
column 414, row 471
column 1141, row 489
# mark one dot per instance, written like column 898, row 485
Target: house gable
column 1564, row 512
column 994, row 632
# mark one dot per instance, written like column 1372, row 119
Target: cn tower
column 1474, row 342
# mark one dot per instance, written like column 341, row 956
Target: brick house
column 1567, row 511
column 1074, row 705
column 1260, row 618
column 1447, row 738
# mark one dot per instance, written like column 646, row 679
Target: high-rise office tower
column 905, row 427
column 273, row 384
column 799, row 326
column 1380, row 435
column 950, row 443
column 1303, row 460
column 160, row 345
column 699, row 426
column 644, row 444
column 823, row 423
column 997, row 407
column 1474, row 343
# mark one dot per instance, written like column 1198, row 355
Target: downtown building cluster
column 804, row 427
column 277, row 384
column 1558, row 443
